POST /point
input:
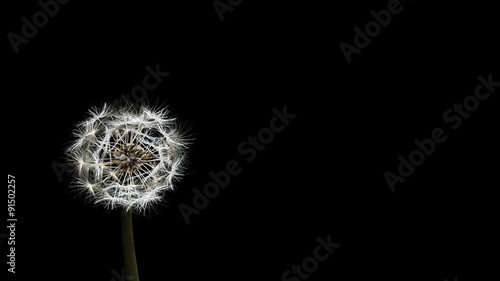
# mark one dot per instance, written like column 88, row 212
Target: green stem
column 128, row 246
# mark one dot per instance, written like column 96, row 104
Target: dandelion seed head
column 127, row 157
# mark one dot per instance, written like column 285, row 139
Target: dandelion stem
column 131, row 271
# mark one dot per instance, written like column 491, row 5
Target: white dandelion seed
column 126, row 157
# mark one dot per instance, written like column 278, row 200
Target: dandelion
column 126, row 158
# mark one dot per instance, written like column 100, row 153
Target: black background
column 323, row 175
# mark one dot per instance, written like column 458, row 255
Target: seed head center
column 129, row 157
